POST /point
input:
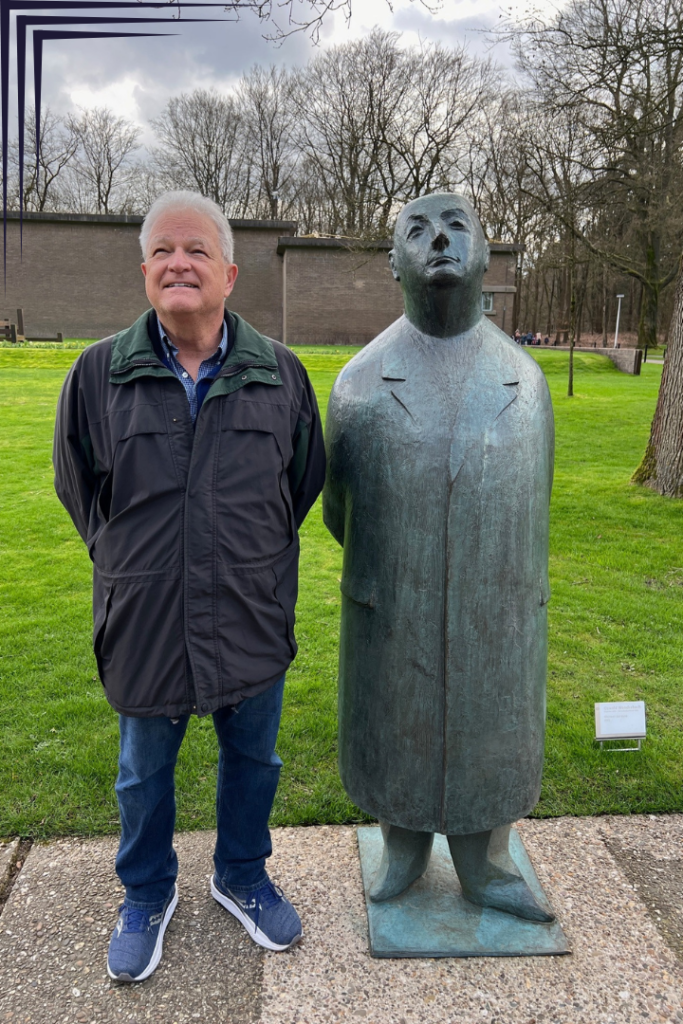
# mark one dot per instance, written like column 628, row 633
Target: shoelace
column 270, row 894
column 267, row 896
column 136, row 920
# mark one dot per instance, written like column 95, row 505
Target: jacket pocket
column 240, row 413
column 254, row 519
column 101, row 604
column 139, row 641
column 255, row 618
column 286, row 571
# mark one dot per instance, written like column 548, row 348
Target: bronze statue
column 440, row 444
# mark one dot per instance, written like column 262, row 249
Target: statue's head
column 439, row 243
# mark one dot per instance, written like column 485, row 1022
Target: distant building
column 80, row 274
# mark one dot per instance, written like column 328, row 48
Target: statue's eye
column 415, row 231
column 457, row 224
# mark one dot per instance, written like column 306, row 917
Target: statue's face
column 438, row 240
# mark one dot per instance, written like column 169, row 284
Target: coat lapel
column 488, row 389
column 482, row 390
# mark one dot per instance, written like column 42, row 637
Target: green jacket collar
column 251, row 357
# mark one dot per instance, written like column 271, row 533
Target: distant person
column 517, row 337
column 188, row 450
column 538, row 338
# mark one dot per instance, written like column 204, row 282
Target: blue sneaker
column 270, row 919
column 137, row 942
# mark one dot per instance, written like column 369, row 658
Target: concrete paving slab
column 598, row 875
column 621, row 970
column 54, row 934
column 649, row 851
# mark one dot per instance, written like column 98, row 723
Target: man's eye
column 158, row 250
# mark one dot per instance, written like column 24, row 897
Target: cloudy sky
column 136, row 77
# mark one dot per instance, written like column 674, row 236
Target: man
column 188, row 450
column 440, row 447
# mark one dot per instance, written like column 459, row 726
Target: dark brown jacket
column 193, row 532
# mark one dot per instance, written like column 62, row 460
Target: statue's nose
column 440, row 242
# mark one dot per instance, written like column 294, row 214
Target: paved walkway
column 615, row 883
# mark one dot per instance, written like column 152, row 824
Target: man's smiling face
column 185, row 271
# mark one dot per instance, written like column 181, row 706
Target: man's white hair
column 183, row 199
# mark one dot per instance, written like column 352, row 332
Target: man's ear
column 230, row 278
column 143, row 268
column 392, row 264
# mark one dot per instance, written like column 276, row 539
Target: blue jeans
column 248, row 774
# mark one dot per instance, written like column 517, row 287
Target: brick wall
column 337, row 296
column 257, row 295
column 81, row 275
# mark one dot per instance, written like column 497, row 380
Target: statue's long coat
column 440, row 470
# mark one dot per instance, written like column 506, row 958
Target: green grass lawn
column 616, row 623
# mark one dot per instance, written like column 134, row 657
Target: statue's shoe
column 404, row 859
column 510, row 894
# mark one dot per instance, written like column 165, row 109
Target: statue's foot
column 489, row 876
column 404, row 859
column 510, row 894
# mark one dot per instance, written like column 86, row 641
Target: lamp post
column 616, row 332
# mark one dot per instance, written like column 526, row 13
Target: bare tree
column 203, row 146
column 102, row 172
column 443, row 91
column 383, row 124
column 615, row 67
column 347, row 99
column 58, row 145
column 266, row 104
column 496, row 171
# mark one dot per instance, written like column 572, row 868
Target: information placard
column 622, row 720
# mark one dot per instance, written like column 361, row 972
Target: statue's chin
column 447, row 276
column 444, row 281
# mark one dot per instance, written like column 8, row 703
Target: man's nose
column 441, row 241
column 179, row 260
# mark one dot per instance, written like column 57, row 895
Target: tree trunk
column 604, row 307
column 550, row 306
column 647, row 323
column 572, row 320
column 662, row 465
column 649, row 302
column 563, row 311
column 517, row 297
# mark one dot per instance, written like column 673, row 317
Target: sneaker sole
column 158, row 948
column 256, row 934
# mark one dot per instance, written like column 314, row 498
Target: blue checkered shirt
column 194, row 389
